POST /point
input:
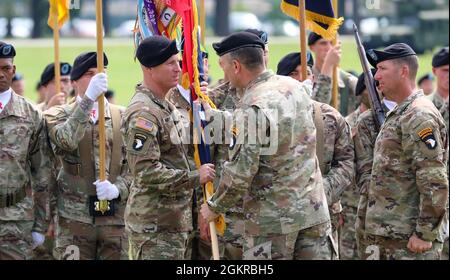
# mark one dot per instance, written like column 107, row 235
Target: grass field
column 124, row 73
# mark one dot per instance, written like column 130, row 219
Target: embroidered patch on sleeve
column 139, row 141
column 427, row 136
column 145, row 124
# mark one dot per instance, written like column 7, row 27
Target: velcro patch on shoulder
column 145, row 124
column 427, row 136
column 139, row 141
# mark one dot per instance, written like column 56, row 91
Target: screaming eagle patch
column 139, row 141
column 427, row 136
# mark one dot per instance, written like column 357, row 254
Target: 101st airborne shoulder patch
column 427, row 136
column 139, row 141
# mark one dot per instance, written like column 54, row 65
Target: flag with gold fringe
column 178, row 19
column 319, row 16
column 60, row 9
column 192, row 67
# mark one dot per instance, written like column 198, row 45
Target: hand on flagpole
column 205, row 233
column 204, row 86
column 207, row 213
column 207, row 173
column 332, row 59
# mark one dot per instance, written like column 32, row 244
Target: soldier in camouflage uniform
column 408, row 192
column 158, row 216
column 25, row 168
column 439, row 98
column 284, row 205
column 82, row 232
column 201, row 244
column 53, row 98
column 334, row 145
column 350, row 199
column 347, row 100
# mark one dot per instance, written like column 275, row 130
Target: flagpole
column 334, row 95
column 202, row 21
column 101, row 105
column 56, row 47
column 303, row 50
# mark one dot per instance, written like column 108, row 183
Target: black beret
column 237, row 41
column 427, row 76
column 361, row 84
column 261, row 34
column 7, row 50
column 84, row 62
column 440, row 58
column 291, row 61
column 313, row 38
column 394, row 51
column 49, row 72
column 155, row 50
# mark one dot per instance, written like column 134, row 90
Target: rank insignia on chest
column 139, row 141
column 427, row 136
column 145, row 124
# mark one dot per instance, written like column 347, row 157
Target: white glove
column 106, row 190
column 97, row 86
column 38, row 239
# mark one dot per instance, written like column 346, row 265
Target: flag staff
column 334, row 93
column 55, row 24
column 202, row 21
column 103, row 207
column 303, row 50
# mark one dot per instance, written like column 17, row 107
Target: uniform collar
column 404, row 105
column 12, row 108
column 261, row 78
column 436, row 96
column 162, row 103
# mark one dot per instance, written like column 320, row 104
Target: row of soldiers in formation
column 334, row 187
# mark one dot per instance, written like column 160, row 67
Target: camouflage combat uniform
column 408, row 192
column 347, row 99
column 158, row 216
column 443, row 108
column 25, row 170
column 365, row 135
column 73, row 136
column 340, row 156
column 285, row 208
column 201, row 249
column 226, row 98
column 336, row 157
column 350, row 199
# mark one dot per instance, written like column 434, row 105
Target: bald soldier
column 158, row 216
column 24, row 168
column 82, row 230
column 347, row 101
column 408, row 192
column 48, row 84
column 334, row 142
column 285, row 210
